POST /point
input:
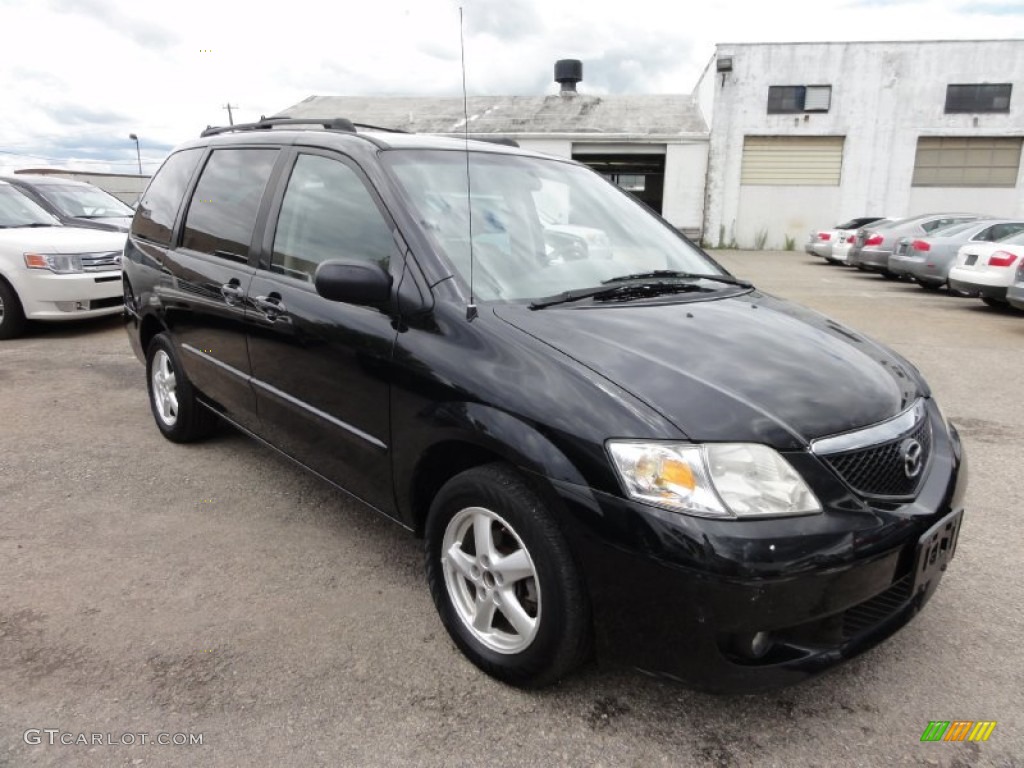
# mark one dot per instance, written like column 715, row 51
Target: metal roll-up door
column 813, row 161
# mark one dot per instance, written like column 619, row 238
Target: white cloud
column 77, row 76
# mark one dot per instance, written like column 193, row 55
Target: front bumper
column 48, row 296
column 682, row 597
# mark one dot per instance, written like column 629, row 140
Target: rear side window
column 1000, row 231
column 159, row 205
column 327, row 213
column 932, row 226
column 222, row 214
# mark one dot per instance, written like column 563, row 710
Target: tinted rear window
column 159, row 204
column 222, row 214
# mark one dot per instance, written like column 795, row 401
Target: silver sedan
column 874, row 245
column 927, row 260
column 1015, row 294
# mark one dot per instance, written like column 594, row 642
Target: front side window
column 327, row 213
column 158, row 207
column 539, row 227
column 222, row 214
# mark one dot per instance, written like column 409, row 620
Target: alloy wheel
column 165, row 388
column 491, row 580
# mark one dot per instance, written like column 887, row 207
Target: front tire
column 503, row 579
column 178, row 415
column 12, row 314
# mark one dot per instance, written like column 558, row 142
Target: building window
column 631, row 182
column 967, row 162
column 979, row 97
column 787, row 99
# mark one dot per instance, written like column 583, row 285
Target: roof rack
column 505, row 141
column 378, row 128
column 266, row 123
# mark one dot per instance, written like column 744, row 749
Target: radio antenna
column 471, row 312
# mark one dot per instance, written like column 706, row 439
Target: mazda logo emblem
column 913, row 457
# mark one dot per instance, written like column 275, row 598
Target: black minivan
column 609, row 443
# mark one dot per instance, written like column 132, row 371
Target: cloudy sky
column 78, row 76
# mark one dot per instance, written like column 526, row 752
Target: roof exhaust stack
column 568, row 72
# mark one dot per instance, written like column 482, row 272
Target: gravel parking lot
column 218, row 590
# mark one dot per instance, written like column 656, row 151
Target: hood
column 109, row 223
column 748, row 368
column 61, row 240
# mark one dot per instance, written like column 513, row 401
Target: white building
column 805, row 135
column 124, row 186
column 655, row 146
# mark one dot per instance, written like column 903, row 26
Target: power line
column 71, row 159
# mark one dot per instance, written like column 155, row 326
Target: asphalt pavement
column 217, row 593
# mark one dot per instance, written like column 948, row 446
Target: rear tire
column 12, row 314
column 172, row 398
column 995, row 303
column 518, row 609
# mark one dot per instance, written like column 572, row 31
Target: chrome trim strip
column 288, row 398
column 220, row 364
column 321, row 414
column 883, row 432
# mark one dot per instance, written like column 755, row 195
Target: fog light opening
column 755, row 645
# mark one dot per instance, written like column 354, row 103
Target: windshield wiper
column 617, row 292
column 679, row 275
column 33, row 224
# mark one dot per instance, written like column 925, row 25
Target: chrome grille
column 103, row 261
column 878, row 470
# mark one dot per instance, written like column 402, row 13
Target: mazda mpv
column 629, row 453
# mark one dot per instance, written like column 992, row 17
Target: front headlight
column 712, row 480
column 61, row 263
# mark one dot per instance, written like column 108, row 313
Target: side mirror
column 354, row 282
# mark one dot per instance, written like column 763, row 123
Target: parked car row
column 969, row 254
column 52, row 271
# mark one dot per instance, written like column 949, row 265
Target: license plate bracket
column 935, row 549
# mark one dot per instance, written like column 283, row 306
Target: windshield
column 83, row 202
column 16, row 210
column 539, row 227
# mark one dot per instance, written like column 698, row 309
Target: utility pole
column 229, row 106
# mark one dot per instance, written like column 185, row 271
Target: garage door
column 806, row 161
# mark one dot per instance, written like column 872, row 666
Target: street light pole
column 138, row 154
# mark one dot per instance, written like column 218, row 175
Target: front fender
column 457, row 434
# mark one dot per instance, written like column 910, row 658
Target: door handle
column 270, row 305
column 232, row 292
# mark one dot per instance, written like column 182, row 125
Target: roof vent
column 568, row 72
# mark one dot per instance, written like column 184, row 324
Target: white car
column 53, row 272
column 988, row 268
